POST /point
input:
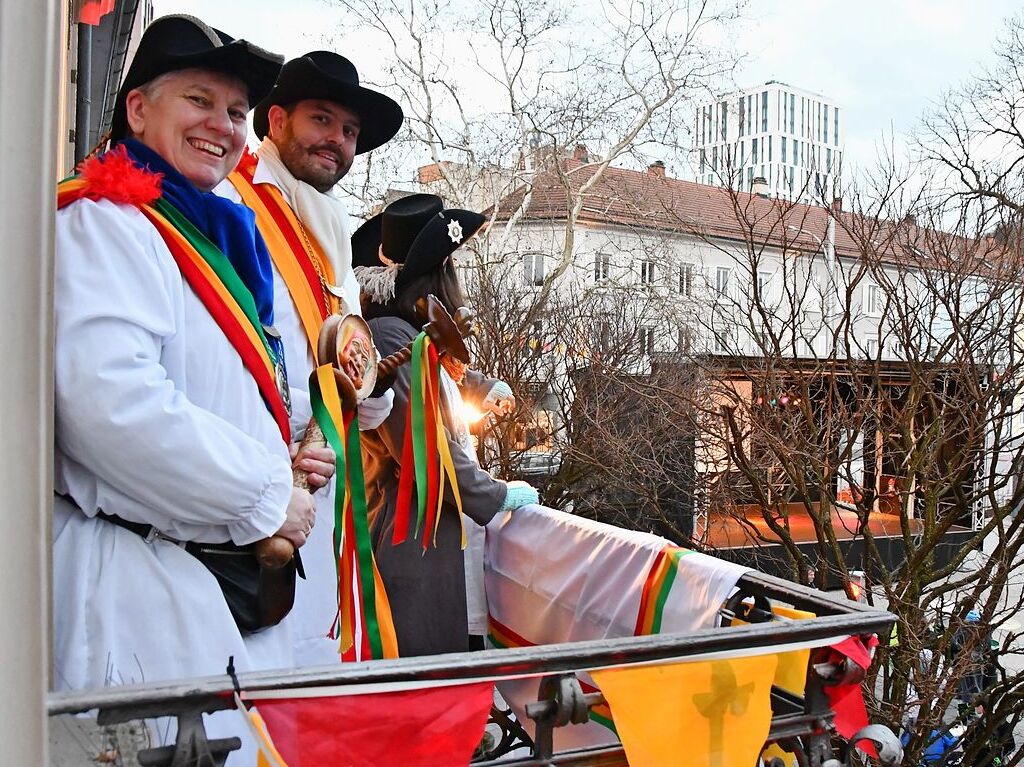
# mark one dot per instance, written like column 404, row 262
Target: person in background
column 402, row 255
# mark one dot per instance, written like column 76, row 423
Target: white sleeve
column 119, row 301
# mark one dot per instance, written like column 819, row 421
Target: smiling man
column 313, row 123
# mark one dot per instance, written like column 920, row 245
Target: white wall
column 29, row 74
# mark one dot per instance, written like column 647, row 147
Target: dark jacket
column 427, row 590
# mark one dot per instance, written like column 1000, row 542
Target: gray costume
column 427, row 590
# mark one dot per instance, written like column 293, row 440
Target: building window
column 722, row 342
column 684, row 340
column 753, row 150
column 603, row 336
column 647, row 271
column 535, row 338
column 686, row 279
column 769, row 149
column 764, row 111
column 725, row 120
column 764, row 285
column 792, row 113
column 803, row 118
column 646, row 341
column 722, row 280
column 743, row 114
column 825, row 116
column 796, row 152
column 750, row 178
column 533, row 269
column 703, row 159
column 602, row 267
column 873, row 300
column 750, row 113
column 871, row 347
column 835, row 125
column 783, row 141
column 828, row 160
column 714, row 158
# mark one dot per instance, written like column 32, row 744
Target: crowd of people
column 192, row 279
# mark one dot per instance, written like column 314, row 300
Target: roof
column 650, row 201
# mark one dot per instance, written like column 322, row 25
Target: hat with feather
column 409, row 238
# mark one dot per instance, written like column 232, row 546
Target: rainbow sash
column 215, row 281
column 287, row 242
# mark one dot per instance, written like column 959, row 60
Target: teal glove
column 499, row 399
column 519, row 494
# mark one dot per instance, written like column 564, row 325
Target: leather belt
column 149, row 534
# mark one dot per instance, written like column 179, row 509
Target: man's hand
column 319, row 462
column 300, row 518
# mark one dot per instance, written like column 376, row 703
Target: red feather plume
column 114, row 176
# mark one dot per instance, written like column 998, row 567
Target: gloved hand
column 499, row 399
column 519, row 494
column 374, row 410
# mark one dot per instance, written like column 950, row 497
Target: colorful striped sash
column 297, row 255
column 214, row 280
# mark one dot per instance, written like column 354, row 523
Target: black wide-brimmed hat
column 330, row 77
column 409, row 238
column 178, row 42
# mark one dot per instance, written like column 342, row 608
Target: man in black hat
column 171, row 432
column 313, row 123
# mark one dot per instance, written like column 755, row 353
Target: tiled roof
column 649, row 201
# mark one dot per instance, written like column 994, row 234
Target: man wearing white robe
column 158, row 421
column 313, row 123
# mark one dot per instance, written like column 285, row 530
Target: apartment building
column 787, row 136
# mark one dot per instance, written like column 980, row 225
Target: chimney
column 657, row 168
column 759, row 187
column 910, row 220
column 580, row 153
column 837, row 205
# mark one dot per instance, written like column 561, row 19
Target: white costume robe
column 159, row 422
column 316, row 597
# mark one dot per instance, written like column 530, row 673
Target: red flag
column 91, row 11
column 848, row 699
column 425, row 727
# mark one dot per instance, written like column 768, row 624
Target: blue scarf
column 229, row 226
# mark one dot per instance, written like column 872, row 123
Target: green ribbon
column 419, row 429
column 353, row 470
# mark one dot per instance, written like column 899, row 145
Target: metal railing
column 802, row 724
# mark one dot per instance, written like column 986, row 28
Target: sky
column 885, row 62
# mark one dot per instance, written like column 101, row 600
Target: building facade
column 783, row 312
column 790, row 137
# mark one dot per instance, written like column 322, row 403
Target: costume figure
column 402, row 255
column 171, row 433
column 313, row 123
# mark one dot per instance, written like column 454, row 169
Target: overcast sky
column 883, row 61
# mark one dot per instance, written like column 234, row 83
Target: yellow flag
column 701, row 714
column 791, row 673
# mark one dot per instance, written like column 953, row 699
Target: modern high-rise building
column 790, row 137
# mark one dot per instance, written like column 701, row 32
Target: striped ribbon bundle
column 363, row 626
column 426, row 457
